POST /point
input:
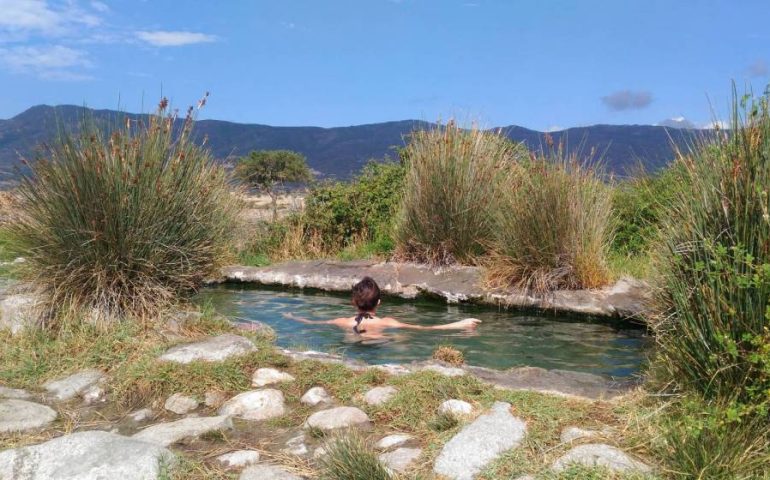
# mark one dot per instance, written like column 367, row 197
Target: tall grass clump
column 554, row 227
column 452, row 185
column 714, row 327
column 349, row 457
column 120, row 223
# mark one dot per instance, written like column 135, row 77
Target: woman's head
column 366, row 294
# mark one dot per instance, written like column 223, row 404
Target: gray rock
column 379, row 395
column 93, row 455
column 141, row 415
column 214, row 349
column 336, row 418
column 316, row 396
column 395, row 440
column 267, row 472
column 401, row 459
column 456, row 408
column 238, row 458
column 255, row 405
column 269, row 376
column 296, row 446
column 19, row 311
column 570, row 434
column 214, row 399
column 599, row 455
column 392, row 369
column 93, row 394
column 21, row 415
column 479, row 443
column 168, row 433
column 442, row 370
column 180, row 404
column 69, row 387
column 16, row 393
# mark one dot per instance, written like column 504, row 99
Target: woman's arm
column 466, row 324
column 291, row 316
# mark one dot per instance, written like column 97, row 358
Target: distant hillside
column 340, row 151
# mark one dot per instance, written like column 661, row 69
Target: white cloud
column 44, row 18
column 554, row 128
column 49, row 62
column 162, row 38
column 676, row 122
column 100, row 7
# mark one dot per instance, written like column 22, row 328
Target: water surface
column 505, row 339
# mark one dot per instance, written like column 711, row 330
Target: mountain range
column 340, row 152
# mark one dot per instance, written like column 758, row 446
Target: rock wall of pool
column 505, row 339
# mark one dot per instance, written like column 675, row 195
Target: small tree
column 269, row 170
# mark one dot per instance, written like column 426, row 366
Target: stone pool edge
column 628, row 298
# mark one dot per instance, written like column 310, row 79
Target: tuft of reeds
column 452, row 185
column 554, row 226
column 714, row 327
column 120, row 223
column 349, row 457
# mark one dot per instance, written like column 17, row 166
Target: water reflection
column 505, row 339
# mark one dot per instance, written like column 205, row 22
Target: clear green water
column 505, row 338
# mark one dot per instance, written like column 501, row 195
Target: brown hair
column 366, row 294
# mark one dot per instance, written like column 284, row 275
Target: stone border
column 626, row 299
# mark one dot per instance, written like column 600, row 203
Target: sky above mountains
column 539, row 64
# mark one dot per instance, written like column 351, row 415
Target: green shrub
column 554, row 227
column 452, row 185
column 715, row 297
column 122, row 223
column 349, row 457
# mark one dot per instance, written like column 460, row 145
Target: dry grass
column 449, row 354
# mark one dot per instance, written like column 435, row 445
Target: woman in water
column 366, row 323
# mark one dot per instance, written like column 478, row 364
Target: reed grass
column 121, row 223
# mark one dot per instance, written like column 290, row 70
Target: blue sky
column 539, row 64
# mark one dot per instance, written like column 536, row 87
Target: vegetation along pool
column 505, row 339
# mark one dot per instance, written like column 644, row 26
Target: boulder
column 442, row 370
column 400, row 459
column 214, row 399
column 379, row 395
column 141, row 415
column 20, row 415
column 267, row 472
column 316, row 396
column 456, row 408
column 93, row 455
column 180, row 404
column 255, row 405
column 71, row 386
column 19, row 311
column 480, row 443
column 570, row 434
column 395, row 440
column 16, row 393
column 214, row 349
column 269, row 376
column 337, row 418
column 168, row 433
column 296, row 446
column 238, row 458
column 599, row 455
column 93, row 394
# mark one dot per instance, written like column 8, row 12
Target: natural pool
column 505, row 339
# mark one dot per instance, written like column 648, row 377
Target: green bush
column 349, row 457
column 122, row 223
column 554, row 227
column 452, row 185
column 713, row 329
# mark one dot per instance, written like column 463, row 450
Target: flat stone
column 395, row 440
column 267, row 472
column 316, row 396
column 456, row 408
column 296, row 446
column 379, row 395
column 168, row 433
column 393, row 369
column 337, row 418
column 141, row 415
column 214, row 349
column 480, row 443
column 19, row 311
column 180, row 404
column 400, row 459
column 442, row 370
column 255, row 405
column 269, row 376
column 16, row 393
column 214, row 399
column 238, row 458
column 570, row 434
column 92, row 455
column 69, row 387
column 20, row 415
column 599, row 455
